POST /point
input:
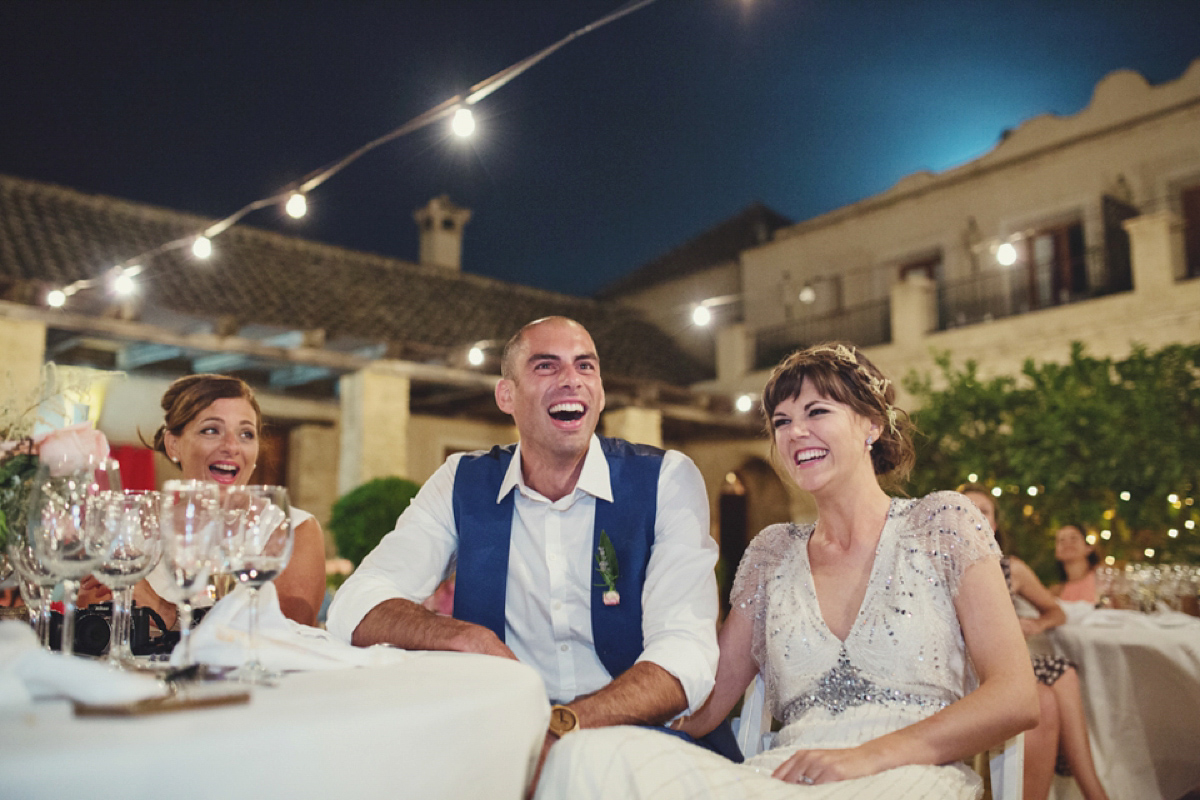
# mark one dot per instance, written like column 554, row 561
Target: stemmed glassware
column 37, row 583
column 134, row 548
column 63, row 525
column 189, row 517
column 256, row 545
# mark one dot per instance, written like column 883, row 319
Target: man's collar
column 593, row 478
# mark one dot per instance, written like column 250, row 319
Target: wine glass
column 63, row 524
column 189, row 513
column 37, row 583
column 256, row 545
column 134, row 548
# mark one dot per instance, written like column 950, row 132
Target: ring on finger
column 806, row 779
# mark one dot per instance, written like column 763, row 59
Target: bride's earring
column 870, row 441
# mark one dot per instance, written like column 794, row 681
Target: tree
column 365, row 514
column 1113, row 445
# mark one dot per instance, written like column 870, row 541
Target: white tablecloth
column 438, row 725
column 1140, row 677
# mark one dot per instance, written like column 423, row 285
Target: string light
column 972, row 478
column 744, row 403
column 201, row 244
column 701, row 316
column 475, row 356
column 1006, row 254
column 297, row 205
column 123, row 284
column 463, row 123
column 202, row 247
column 997, row 491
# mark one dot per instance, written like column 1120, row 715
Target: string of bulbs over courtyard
column 122, row 278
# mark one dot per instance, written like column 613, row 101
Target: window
column 1056, row 270
column 1189, row 201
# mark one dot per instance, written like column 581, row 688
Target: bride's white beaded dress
column 903, row 660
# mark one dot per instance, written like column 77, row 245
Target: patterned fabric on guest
column 1047, row 669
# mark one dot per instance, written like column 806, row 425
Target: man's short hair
column 508, row 368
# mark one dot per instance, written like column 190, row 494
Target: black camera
column 93, row 630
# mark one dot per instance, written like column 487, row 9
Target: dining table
column 430, row 725
column 1140, row 680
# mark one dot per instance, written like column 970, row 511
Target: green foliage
column 364, row 515
column 1081, row 434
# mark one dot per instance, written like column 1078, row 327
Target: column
column 1156, row 250
column 374, row 432
column 914, row 309
column 313, row 472
column 638, row 425
column 23, row 344
column 735, row 357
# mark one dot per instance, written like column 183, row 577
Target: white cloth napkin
column 222, row 639
column 28, row 673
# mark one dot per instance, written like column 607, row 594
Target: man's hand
column 477, row 639
column 92, row 591
column 402, row 623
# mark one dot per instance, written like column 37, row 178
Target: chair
column 1006, row 763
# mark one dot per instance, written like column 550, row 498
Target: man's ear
column 504, row 395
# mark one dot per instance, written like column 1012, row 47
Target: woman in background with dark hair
column 211, row 430
column 1077, row 562
column 1062, row 725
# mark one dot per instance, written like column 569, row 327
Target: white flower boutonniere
column 606, row 563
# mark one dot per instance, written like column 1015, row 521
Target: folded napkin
column 222, row 639
column 27, row 673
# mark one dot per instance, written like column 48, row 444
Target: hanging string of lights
column 295, row 196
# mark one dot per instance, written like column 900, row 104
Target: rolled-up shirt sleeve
column 409, row 562
column 679, row 600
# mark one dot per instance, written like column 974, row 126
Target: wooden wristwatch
column 563, row 720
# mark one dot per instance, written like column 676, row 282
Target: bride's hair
column 843, row 373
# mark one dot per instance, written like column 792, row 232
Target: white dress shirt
column 548, row 621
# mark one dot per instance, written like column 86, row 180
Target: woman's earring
column 870, row 441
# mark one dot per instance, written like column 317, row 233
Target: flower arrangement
column 68, row 449
column 606, row 565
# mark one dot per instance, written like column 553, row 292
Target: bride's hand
column 827, row 766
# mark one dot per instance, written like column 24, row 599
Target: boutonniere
column 606, row 563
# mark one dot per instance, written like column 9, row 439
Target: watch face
column 563, row 720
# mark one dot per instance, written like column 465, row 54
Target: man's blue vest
column 485, row 528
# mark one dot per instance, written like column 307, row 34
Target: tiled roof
column 720, row 243
column 52, row 236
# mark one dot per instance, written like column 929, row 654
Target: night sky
column 615, row 149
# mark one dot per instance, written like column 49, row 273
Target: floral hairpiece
column 879, row 385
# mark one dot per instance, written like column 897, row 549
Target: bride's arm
column 735, row 670
column 1004, row 704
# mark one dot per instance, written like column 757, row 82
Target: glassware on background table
column 63, row 525
column 189, row 515
column 134, row 548
column 256, row 546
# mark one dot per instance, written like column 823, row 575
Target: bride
column 884, row 631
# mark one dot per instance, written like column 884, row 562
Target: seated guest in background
column 211, row 432
column 883, row 630
column 1077, row 562
column 587, row 558
column 1063, row 726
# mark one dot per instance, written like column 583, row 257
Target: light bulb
column 475, row 356
column 744, row 403
column 56, row 298
column 463, row 123
column 1006, row 255
column 808, row 295
column 997, row 491
column 124, row 285
column 202, row 247
column 701, row 316
column 297, row 205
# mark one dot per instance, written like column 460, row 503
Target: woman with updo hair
column 883, row 629
column 211, row 431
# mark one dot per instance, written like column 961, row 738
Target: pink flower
column 612, row 598
column 70, row 449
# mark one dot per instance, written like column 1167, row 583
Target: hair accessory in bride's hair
column 878, row 384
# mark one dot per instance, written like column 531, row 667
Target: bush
column 364, row 515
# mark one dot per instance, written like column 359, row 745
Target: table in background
column 1141, row 690
column 438, row 725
